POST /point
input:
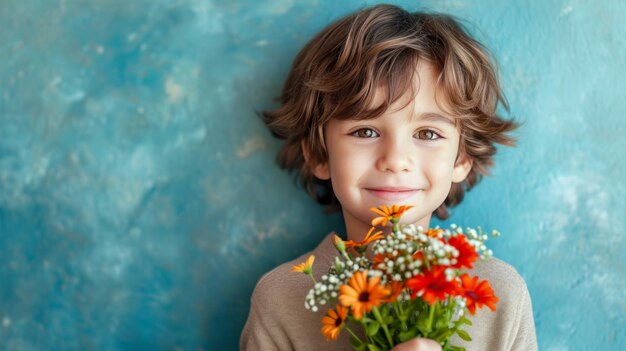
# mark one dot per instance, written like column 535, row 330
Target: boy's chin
column 418, row 219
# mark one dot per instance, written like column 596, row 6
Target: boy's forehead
column 424, row 97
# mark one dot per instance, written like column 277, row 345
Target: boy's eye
column 365, row 133
column 428, row 134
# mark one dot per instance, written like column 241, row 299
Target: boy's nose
column 395, row 157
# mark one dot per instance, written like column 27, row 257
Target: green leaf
column 421, row 323
column 464, row 335
column 372, row 328
column 463, row 320
column 384, row 311
column 407, row 335
column 373, row 347
column 379, row 339
column 442, row 334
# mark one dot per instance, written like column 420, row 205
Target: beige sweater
column 278, row 319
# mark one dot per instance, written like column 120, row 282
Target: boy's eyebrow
column 435, row 117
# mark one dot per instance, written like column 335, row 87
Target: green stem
column 379, row 318
column 400, row 306
column 312, row 277
column 431, row 317
column 395, row 225
column 354, row 335
column 364, row 325
column 402, row 313
column 396, row 311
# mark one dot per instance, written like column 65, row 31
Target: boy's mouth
column 392, row 193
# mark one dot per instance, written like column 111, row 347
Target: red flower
column 467, row 253
column 477, row 293
column 432, row 285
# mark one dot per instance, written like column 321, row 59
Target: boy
column 388, row 107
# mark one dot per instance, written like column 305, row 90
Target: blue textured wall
column 139, row 199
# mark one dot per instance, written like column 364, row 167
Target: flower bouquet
column 414, row 285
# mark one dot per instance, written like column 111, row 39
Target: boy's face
column 406, row 156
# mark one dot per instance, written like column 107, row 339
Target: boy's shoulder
column 281, row 284
column 278, row 318
column 511, row 326
column 507, row 284
column 276, row 280
column 502, row 276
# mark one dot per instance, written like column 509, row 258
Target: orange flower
column 396, row 288
column 388, row 213
column 369, row 237
column 433, row 233
column 380, row 259
column 432, row 285
column 305, row 267
column 467, row 253
column 333, row 322
column 362, row 294
column 477, row 293
column 418, row 256
column 339, row 244
column 337, row 240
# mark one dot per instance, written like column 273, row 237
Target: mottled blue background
column 140, row 202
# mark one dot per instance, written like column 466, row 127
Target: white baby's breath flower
column 375, row 273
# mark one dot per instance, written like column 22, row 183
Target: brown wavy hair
column 337, row 73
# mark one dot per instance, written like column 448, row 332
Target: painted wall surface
column 140, row 201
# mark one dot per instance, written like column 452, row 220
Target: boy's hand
column 418, row 344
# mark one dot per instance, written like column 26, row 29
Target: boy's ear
column 461, row 169
column 320, row 170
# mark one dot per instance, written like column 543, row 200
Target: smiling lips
column 392, row 193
